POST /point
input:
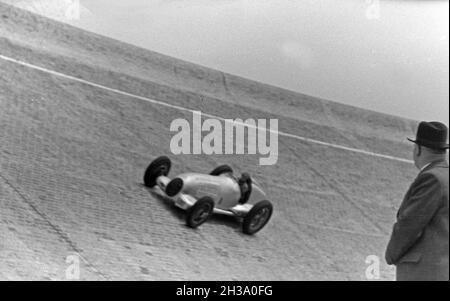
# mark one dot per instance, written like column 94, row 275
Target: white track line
column 52, row 72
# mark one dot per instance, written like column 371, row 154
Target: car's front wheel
column 257, row 217
column 200, row 212
column 159, row 167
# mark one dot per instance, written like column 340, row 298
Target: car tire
column 257, row 217
column 158, row 167
column 199, row 212
column 221, row 170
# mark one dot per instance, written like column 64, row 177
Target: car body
column 219, row 192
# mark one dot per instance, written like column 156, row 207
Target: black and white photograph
column 224, row 141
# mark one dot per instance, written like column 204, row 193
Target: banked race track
column 81, row 117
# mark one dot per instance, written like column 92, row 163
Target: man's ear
column 419, row 150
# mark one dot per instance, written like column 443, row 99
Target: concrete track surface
column 72, row 156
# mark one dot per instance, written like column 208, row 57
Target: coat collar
column 438, row 163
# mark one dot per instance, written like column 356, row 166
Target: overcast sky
column 388, row 56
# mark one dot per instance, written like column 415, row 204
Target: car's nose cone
column 174, row 187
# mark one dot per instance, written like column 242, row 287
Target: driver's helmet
column 244, row 182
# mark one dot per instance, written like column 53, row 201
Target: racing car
column 219, row 192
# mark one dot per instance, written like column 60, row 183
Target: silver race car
column 219, row 192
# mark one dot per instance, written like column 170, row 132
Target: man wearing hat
column 419, row 242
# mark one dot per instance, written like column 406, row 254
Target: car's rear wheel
column 221, row 170
column 257, row 217
column 159, row 167
column 200, row 212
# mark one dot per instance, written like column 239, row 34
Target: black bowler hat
column 432, row 135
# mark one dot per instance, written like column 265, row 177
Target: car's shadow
column 232, row 222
